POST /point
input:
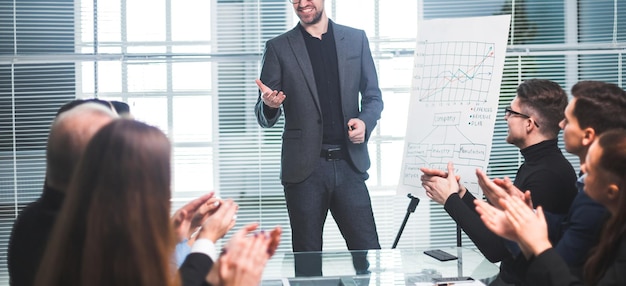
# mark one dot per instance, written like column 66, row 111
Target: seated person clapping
column 244, row 257
column 217, row 217
column 115, row 227
column 605, row 166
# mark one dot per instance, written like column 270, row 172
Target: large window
column 189, row 66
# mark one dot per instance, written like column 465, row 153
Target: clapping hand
column 188, row 217
column 530, row 227
column 244, row 257
column 500, row 189
column 220, row 222
column 439, row 185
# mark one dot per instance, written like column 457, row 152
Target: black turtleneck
column 543, row 172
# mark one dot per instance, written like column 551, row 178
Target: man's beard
column 315, row 20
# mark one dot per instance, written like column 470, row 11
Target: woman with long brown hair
column 115, row 229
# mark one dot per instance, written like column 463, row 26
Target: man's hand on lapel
column 356, row 130
column 271, row 98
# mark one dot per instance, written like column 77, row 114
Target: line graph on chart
column 457, row 71
column 453, row 71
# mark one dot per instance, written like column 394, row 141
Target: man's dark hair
column 546, row 101
column 599, row 105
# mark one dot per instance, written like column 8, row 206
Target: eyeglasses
column 510, row 112
column 295, row 2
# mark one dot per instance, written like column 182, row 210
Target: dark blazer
column 550, row 269
column 30, row 235
column 194, row 269
column 579, row 231
column 287, row 67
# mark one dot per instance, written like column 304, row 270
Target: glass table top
column 386, row 267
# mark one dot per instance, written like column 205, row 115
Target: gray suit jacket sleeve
column 371, row 96
column 272, row 67
column 357, row 74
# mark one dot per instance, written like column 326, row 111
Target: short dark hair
column 547, row 100
column 599, row 105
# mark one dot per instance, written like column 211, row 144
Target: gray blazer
column 286, row 67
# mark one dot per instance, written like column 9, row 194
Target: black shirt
column 544, row 172
column 323, row 56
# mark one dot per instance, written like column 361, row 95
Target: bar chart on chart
column 453, row 71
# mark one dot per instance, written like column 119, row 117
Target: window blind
column 188, row 67
column 30, row 93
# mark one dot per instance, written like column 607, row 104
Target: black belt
column 332, row 154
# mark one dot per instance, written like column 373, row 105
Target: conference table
column 386, row 267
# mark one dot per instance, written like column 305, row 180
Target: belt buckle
column 333, row 154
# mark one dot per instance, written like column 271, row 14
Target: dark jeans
column 337, row 187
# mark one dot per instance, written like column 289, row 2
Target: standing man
column 314, row 73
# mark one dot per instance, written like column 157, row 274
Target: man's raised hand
column 271, row 98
